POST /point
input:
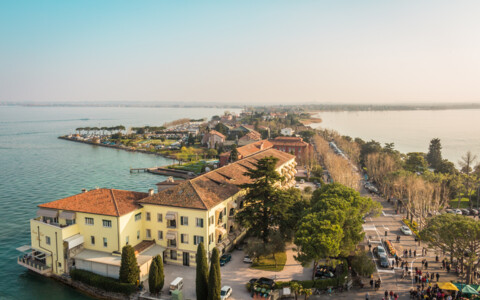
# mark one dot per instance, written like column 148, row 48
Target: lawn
column 268, row 264
column 463, row 203
column 194, row 166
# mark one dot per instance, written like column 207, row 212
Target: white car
column 247, row 259
column 405, row 230
column 225, row 292
column 458, row 212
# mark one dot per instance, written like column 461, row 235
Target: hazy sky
column 240, row 52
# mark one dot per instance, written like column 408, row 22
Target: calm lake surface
column 411, row 131
column 36, row 167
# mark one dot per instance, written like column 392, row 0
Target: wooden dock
column 165, row 172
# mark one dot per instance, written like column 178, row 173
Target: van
column 176, row 284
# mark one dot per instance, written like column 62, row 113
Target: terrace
column 34, row 260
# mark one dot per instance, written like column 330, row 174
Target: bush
column 308, row 189
column 362, row 264
column 105, row 283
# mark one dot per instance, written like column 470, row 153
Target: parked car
column 224, row 259
column 225, row 292
column 247, row 259
column 266, row 281
column 465, row 212
column 379, row 251
column 239, row 246
column 473, row 212
column 450, row 211
column 384, row 263
column 253, row 280
column 458, row 211
column 325, row 272
column 405, row 230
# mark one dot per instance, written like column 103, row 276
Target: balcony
column 34, row 264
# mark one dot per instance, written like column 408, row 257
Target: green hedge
column 322, row 284
column 105, row 283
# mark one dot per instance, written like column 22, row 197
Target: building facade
column 88, row 230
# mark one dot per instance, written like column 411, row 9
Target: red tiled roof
column 250, row 149
column 289, row 141
column 214, row 132
column 108, row 202
column 210, row 189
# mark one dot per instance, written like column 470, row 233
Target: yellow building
column 88, row 230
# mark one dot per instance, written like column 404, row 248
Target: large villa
column 87, row 231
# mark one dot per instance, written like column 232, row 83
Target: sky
column 255, row 52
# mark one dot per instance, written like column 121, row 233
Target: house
column 90, row 229
column 287, row 131
column 252, row 136
column 213, row 138
column 294, row 145
column 246, row 151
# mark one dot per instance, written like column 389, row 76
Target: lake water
column 36, row 167
column 411, row 131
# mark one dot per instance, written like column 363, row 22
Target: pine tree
column 234, row 154
column 153, row 278
column 202, row 273
column 434, row 155
column 129, row 271
column 215, row 277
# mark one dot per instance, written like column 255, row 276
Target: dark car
column 325, row 272
column 253, row 280
column 266, row 281
column 384, row 261
column 465, row 212
column 225, row 259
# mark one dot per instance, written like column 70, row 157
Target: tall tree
column 156, row 276
column 415, row 162
column 233, row 154
column 266, row 205
column 434, row 155
column 467, row 163
column 215, row 277
column 317, row 239
column 201, row 280
column 129, row 271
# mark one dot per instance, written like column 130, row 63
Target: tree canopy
column 201, row 280
column 215, row 277
column 434, row 155
column 129, row 271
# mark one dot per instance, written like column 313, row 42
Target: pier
column 165, row 172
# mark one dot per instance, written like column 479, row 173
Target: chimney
column 84, row 190
column 151, row 192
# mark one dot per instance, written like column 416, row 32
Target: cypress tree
column 153, row 278
column 233, row 154
column 129, row 271
column 161, row 274
column 215, row 277
column 202, row 273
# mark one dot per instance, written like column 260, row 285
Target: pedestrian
column 410, row 252
column 436, row 258
column 448, row 268
column 386, row 294
column 432, row 276
column 369, row 246
column 391, row 294
column 438, row 276
column 397, row 263
column 443, row 264
column 371, row 284
column 426, row 265
column 367, row 297
column 414, row 253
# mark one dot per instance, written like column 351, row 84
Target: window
column 200, row 222
column 224, row 211
column 149, row 234
column 138, row 216
column 184, row 238
column 241, row 204
column 92, row 240
column 159, row 218
column 47, row 239
column 70, row 222
column 232, row 210
column 89, row 221
column 105, row 244
column 184, row 221
column 197, row 239
column 173, row 254
column 127, row 239
column 171, row 224
column 147, row 216
column 220, row 217
column 160, row 235
column 210, row 220
column 210, row 238
column 107, row 223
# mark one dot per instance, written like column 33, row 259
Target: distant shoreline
column 314, row 108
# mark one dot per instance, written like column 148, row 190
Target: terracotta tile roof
column 142, row 246
column 214, row 187
column 252, row 135
column 250, row 149
column 214, row 132
column 108, row 202
column 289, row 141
